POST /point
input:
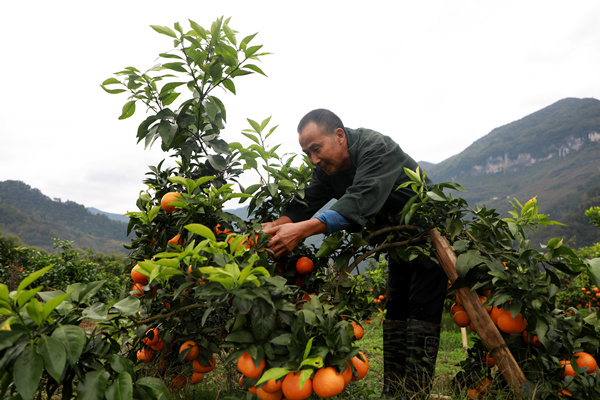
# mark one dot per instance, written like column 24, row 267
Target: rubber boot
column 422, row 343
column 394, row 358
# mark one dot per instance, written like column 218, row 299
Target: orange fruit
column 496, row 312
column 483, row 385
column 304, row 266
column 168, row 198
column 564, row 392
column 178, row 381
column 347, row 374
column 568, row 368
column 359, row 332
column 152, row 337
column 456, row 308
column 508, row 324
column 197, row 377
column 272, row 385
column 137, row 276
column 489, row 360
column 461, row 318
column 458, row 300
column 145, row 354
column 291, row 387
column 264, row 395
column 327, row 382
column 483, row 299
column 137, row 290
column 473, row 394
column 175, row 240
column 193, row 352
column 361, row 367
column 203, row 368
column 158, row 346
column 245, row 365
column 586, row 360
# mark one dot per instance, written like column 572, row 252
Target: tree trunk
column 490, row 336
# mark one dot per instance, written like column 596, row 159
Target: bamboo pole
column 491, row 338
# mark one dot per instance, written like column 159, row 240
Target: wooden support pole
column 490, row 336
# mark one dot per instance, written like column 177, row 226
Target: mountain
column 111, row 216
column 553, row 154
column 37, row 220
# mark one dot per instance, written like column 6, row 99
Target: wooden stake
column 491, row 338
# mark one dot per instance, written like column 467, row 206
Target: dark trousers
column 416, row 290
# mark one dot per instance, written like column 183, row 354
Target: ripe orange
column 361, row 367
column 461, row 318
column 193, row 352
column 456, row 308
column 264, row 395
column 137, row 276
column 152, row 337
column 137, row 290
column 292, row 390
column 197, row 377
column 304, row 266
column 508, row 324
column 586, row 360
column 178, row 381
column 489, row 360
column 175, row 240
column 567, row 367
column 245, row 365
column 158, row 346
column 458, row 300
column 483, row 385
column 359, row 332
column 327, row 382
column 203, row 368
column 273, row 385
column 564, row 392
column 473, row 394
column 145, row 355
column 168, row 198
column 496, row 313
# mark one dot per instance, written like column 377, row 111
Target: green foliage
column 593, row 214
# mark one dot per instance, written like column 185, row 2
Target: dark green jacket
column 367, row 188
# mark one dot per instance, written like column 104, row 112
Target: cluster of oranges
column 502, row 318
column 324, row 382
column 153, row 344
column 585, row 362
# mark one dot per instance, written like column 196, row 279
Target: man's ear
column 340, row 135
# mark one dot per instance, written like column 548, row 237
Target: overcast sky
column 434, row 75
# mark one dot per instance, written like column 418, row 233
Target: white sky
column 434, row 75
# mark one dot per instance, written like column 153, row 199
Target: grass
column 223, row 381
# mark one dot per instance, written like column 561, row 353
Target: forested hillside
column 553, row 154
column 37, row 220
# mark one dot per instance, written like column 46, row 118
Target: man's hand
column 286, row 236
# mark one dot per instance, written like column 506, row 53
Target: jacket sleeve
column 316, row 195
column 379, row 168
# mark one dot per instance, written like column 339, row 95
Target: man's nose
column 314, row 160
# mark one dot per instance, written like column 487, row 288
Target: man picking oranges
column 361, row 169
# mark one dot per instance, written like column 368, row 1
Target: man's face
column 327, row 152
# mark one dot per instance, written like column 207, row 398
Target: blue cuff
column 333, row 220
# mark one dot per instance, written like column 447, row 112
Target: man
column 362, row 168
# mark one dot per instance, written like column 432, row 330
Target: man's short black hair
column 325, row 119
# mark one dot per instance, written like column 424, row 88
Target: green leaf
column 240, row 337
column 97, row 311
column 53, row 303
column 128, row 306
column 32, row 277
column 3, row 292
column 128, row 110
column 154, row 388
column 468, row 260
column 24, row 296
column 175, row 66
column 201, row 230
column 73, row 339
column 35, row 310
column 121, row 364
column 54, row 354
column 165, row 30
column 593, row 267
column 9, row 338
column 198, row 29
column 273, row 373
column 93, row 385
column 121, row 388
column 27, row 372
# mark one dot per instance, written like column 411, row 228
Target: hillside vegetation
column 36, row 219
column 553, row 154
